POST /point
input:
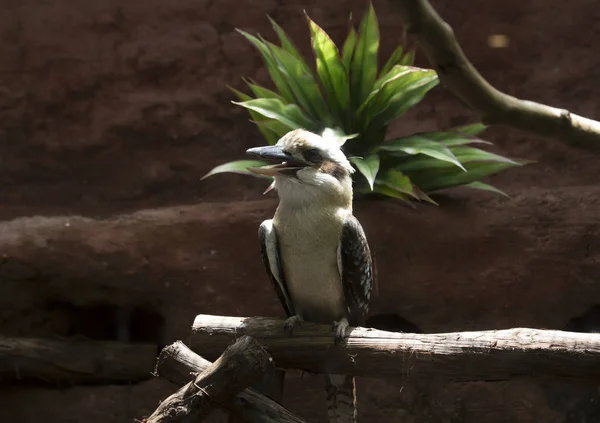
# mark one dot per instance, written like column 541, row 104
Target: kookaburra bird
column 314, row 250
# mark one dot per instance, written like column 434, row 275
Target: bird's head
column 308, row 168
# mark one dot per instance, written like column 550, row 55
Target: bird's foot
column 291, row 323
column 340, row 330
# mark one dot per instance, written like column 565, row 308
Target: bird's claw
column 340, row 330
column 292, row 322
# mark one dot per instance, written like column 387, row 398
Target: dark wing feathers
column 356, row 269
column 269, row 251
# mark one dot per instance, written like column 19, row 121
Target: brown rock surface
column 109, row 108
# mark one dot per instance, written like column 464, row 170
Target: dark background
column 111, row 112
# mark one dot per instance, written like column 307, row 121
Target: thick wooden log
column 241, row 364
column 69, row 361
column 177, row 363
column 459, row 356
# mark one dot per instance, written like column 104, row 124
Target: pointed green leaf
column 449, row 139
column 288, row 114
column 407, row 99
column 392, row 61
column 434, row 180
column 286, row 43
column 418, row 145
column 368, row 167
column 394, row 89
column 348, row 49
column 270, row 137
column 262, row 92
column 456, row 140
column 408, row 59
column 398, row 181
column 302, row 82
column 363, row 70
column 470, row 154
column 472, row 129
column 275, row 126
column 278, row 79
column 390, row 192
column 486, row 187
column 239, row 166
column 331, row 72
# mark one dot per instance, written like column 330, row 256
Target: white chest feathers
column 309, row 246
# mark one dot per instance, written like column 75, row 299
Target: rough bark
column 241, row 364
column 459, row 356
column 177, row 362
column 75, row 361
column 436, row 39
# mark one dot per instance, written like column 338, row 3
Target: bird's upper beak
column 287, row 164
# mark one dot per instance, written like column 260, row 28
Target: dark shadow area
column 392, row 323
column 588, row 322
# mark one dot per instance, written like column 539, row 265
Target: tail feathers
column 341, row 398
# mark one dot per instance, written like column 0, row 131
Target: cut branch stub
column 239, row 366
column 177, row 362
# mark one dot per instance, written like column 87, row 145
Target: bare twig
column 436, row 39
column 460, row 356
column 69, row 361
column 241, row 364
column 176, row 363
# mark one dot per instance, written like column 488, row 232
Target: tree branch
column 460, row 356
column 436, row 39
column 175, row 364
column 70, row 361
column 241, row 364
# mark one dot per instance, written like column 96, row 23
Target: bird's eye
column 313, row 155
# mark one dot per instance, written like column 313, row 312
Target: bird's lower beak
column 288, row 165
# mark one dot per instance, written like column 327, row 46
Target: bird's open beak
column 287, row 164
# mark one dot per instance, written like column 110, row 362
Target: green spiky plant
column 352, row 98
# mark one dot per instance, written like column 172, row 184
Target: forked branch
column 240, row 365
column 177, row 362
column 436, row 39
column 459, row 356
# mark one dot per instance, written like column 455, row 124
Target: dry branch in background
column 69, row 361
column 459, row 356
column 241, row 364
column 176, row 363
column 436, row 39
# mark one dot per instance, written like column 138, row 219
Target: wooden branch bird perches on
column 457, row 356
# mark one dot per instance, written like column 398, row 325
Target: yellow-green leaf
column 368, row 167
column 302, row 82
column 392, row 61
column 363, row 70
column 288, row 114
column 331, row 72
column 408, row 59
column 438, row 179
column 278, row 79
column 390, row 192
column 239, row 166
column 406, row 99
column 270, row 137
column 486, row 187
column 286, row 43
column 418, row 145
column 262, row 92
column 470, row 154
column 348, row 49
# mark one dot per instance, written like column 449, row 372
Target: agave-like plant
column 349, row 96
